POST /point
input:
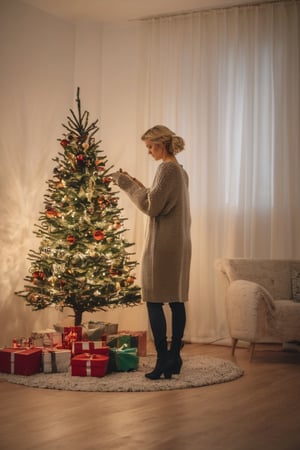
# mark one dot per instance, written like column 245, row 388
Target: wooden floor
column 261, row 410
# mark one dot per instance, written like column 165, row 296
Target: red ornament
column 106, row 180
column 98, row 235
column 60, row 184
column 103, row 202
column 51, row 212
column 71, row 239
column 114, row 272
column 130, row 279
column 33, row 297
column 80, row 158
column 100, row 164
column 38, row 275
column 64, row 142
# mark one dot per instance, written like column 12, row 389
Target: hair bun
column 177, row 144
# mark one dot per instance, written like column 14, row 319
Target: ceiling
column 77, row 11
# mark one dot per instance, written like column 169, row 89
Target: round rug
column 196, row 371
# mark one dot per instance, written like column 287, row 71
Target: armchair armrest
column 249, row 308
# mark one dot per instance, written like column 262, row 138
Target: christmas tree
column 83, row 260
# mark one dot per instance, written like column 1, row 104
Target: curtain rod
column 221, row 8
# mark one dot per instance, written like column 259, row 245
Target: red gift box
column 141, row 340
column 20, row 361
column 95, row 347
column 71, row 334
column 86, row 365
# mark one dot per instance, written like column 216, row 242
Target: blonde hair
column 159, row 133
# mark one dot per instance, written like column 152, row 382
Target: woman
column 167, row 254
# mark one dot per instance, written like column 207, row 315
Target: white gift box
column 56, row 360
column 46, row 338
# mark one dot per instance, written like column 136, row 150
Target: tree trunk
column 78, row 317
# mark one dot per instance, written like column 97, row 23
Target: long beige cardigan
column 167, row 253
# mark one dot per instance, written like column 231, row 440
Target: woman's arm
column 152, row 201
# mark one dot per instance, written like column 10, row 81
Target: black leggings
column 158, row 322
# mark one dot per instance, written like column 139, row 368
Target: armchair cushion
column 296, row 285
column 287, row 320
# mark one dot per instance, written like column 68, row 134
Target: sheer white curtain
column 228, row 82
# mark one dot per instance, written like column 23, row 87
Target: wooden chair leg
column 252, row 347
column 234, row 342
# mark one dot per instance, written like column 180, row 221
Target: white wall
column 43, row 60
column 36, row 90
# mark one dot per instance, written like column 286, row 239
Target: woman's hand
column 116, row 175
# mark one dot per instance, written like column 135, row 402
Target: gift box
column 56, row 360
column 86, row 365
column 123, row 359
column 141, row 340
column 25, row 361
column 117, row 340
column 93, row 331
column 46, row 338
column 70, row 335
column 95, row 347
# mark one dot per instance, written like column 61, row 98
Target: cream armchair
column 262, row 299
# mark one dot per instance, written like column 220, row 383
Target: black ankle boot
column 159, row 369
column 173, row 366
column 175, row 361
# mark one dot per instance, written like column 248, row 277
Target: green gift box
column 123, row 359
column 117, row 340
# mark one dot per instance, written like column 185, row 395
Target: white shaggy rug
column 196, row 371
